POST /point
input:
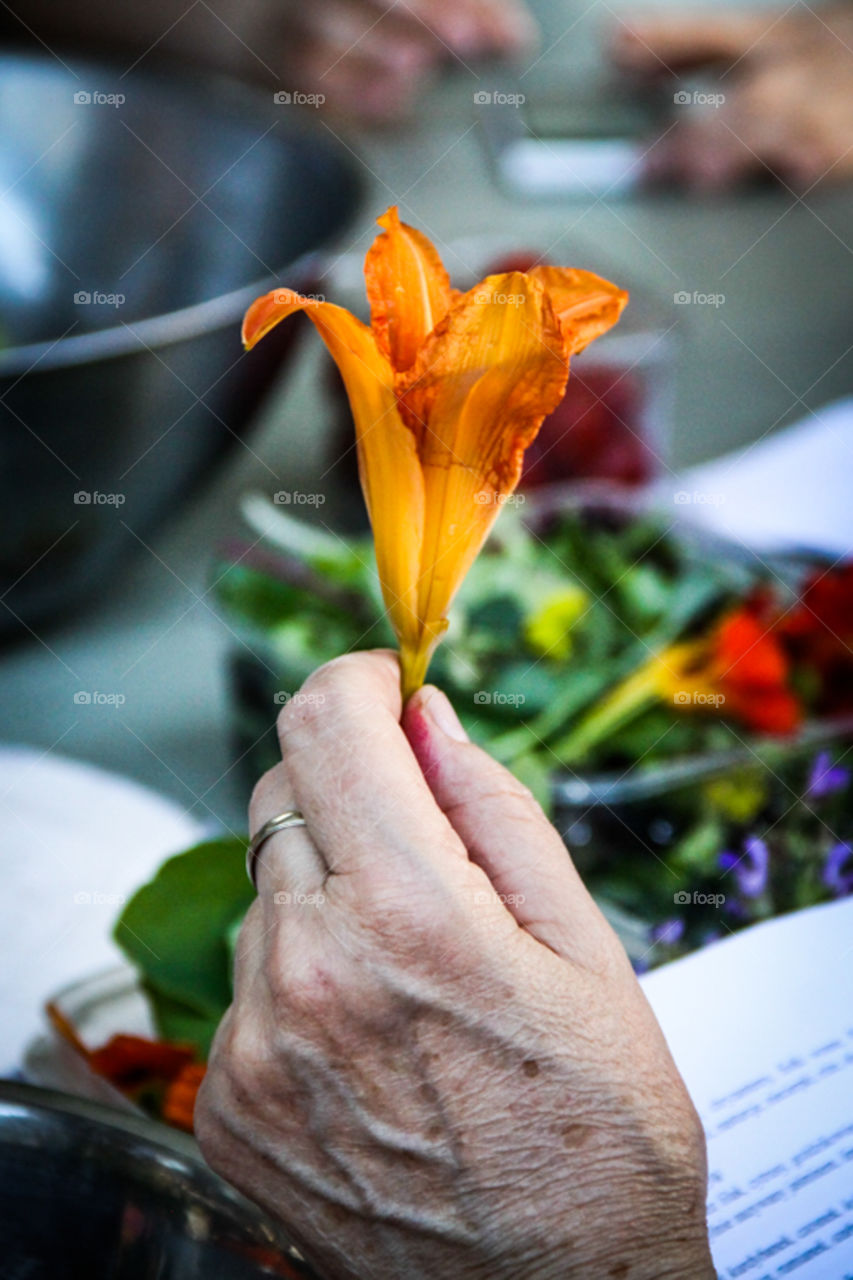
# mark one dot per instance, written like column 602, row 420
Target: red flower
column 181, row 1093
column 818, row 633
column 750, row 668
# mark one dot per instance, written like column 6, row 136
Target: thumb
column 504, row 830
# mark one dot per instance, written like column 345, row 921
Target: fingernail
column 438, row 708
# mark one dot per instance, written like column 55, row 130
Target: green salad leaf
column 176, row 932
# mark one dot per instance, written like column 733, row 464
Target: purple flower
column 834, row 875
column 825, row 777
column 668, row 932
column 750, row 867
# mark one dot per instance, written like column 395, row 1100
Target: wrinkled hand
column 787, row 83
column 438, row 1061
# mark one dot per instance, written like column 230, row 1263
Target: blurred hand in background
column 787, row 81
column 369, row 58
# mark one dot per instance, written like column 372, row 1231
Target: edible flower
column 447, row 390
column 738, row 668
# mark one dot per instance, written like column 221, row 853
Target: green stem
column 414, row 663
column 624, row 704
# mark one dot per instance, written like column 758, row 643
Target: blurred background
column 148, row 195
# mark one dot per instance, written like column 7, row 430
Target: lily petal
column 408, row 289
column 586, row 305
column 388, row 464
column 475, row 398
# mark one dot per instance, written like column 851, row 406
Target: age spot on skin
column 428, row 1092
column 530, row 1067
column 575, row 1135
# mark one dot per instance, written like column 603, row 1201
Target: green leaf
column 501, row 617
column 699, row 850
column 174, row 929
column 180, row 1024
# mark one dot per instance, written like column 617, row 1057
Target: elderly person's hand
column 787, row 83
column 438, row 1061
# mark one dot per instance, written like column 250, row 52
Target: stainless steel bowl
column 133, row 234
column 87, row 1193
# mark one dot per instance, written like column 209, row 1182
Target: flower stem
column 413, row 667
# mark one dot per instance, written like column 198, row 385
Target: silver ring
column 284, row 821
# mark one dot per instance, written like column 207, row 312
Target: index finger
column 354, row 775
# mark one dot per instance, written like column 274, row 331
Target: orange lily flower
column 447, row 390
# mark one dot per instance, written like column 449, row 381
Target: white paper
column 790, row 491
column 761, row 1027
column 75, row 842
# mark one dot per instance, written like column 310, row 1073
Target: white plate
column 75, row 842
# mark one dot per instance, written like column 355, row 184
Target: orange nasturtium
column 447, row 390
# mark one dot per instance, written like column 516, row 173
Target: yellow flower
column 739, row 796
column 547, row 630
column 447, row 390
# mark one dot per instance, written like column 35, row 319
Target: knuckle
column 241, row 1064
column 303, row 994
column 334, row 679
column 340, row 684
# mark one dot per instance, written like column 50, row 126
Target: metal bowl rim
column 31, row 1097
column 154, row 331
column 185, row 323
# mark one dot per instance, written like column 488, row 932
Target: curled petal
column 388, row 464
column 585, row 304
column 407, row 287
